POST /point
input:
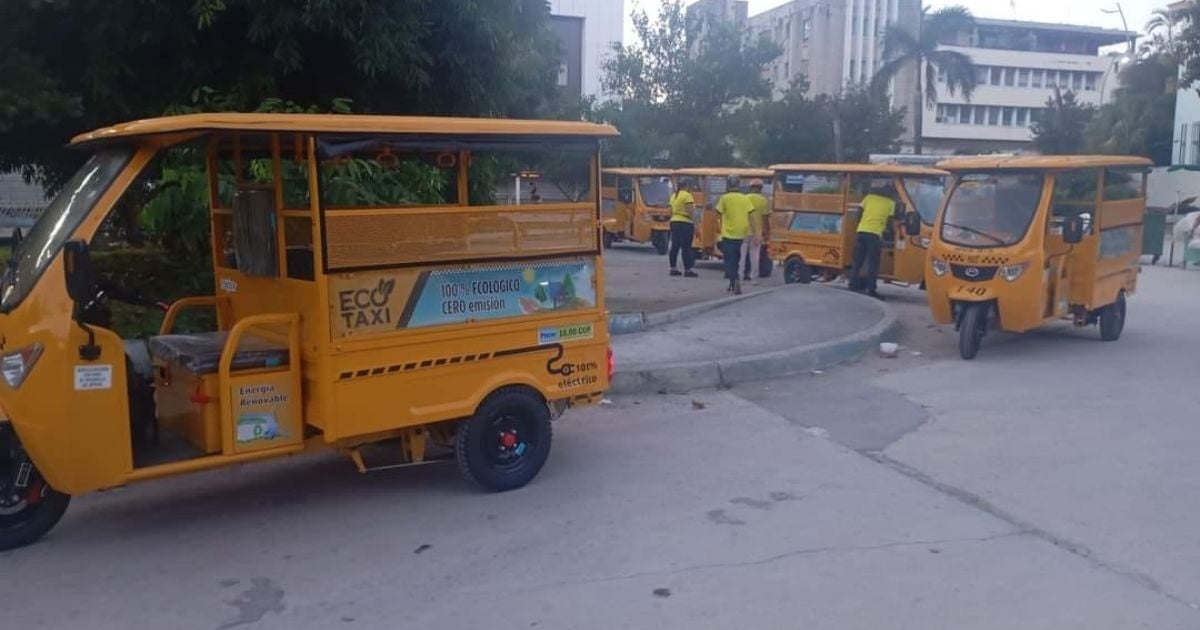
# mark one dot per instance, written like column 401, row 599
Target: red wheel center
column 508, row 439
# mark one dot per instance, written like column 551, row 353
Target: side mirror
column 912, row 224
column 81, row 278
column 1072, row 230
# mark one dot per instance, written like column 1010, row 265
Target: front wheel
column 506, row 443
column 795, row 271
column 29, row 507
column 1112, row 319
column 971, row 329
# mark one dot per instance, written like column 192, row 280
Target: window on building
column 993, row 116
column 996, row 75
column 981, row 75
column 787, row 69
column 1051, row 78
column 1006, row 117
column 1195, row 152
column 1089, row 81
column 964, row 114
column 806, row 31
column 1076, row 81
column 941, row 114
column 1010, row 76
column 1023, row 77
column 1022, row 116
column 1183, row 143
column 980, row 114
column 941, row 74
column 1035, row 79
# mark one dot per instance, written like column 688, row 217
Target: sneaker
column 675, row 272
column 690, row 274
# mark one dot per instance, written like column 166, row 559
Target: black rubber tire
column 29, row 524
column 1112, row 319
column 475, row 436
column 661, row 242
column 607, row 238
column 971, row 329
column 796, row 271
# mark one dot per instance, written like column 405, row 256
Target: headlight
column 940, row 267
column 1013, row 272
column 16, row 364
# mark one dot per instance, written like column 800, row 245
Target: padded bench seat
column 201, row 353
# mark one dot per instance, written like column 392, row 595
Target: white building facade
column 1019, row 65
column 587, row 29
column 1186, row 148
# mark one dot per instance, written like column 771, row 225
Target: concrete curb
column 629, row 323
column 680, row 377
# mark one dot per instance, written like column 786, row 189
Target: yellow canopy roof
column 347, row 123
column 1042, row 162
column 635, row 171
column 708, row 171
column 883, row 169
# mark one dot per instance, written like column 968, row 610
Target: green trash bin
column 1153, row 234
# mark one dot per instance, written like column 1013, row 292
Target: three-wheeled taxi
column 1024, row 241
column 816, row 214
column 372, row 287
column 636, row 203
column 710, row 184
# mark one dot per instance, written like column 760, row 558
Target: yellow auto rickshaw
column 710, row 184
column 636, row 203
column 817, row 209
column 375, row 283
column 1023, row 241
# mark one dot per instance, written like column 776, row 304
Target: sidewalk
column 789, row 330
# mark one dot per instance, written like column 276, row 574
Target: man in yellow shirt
column 683, row 228
column 877, row 210
column 760, row 226
column 735, row 209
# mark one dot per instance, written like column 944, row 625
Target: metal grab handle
column 225, row 369
column 183, row 304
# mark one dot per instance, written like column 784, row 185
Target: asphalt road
column 1052, row 483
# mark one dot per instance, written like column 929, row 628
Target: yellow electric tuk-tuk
column 375, row 284
column 1023, row 241
column 636, row 203
column 710, row 184
column 818, row 206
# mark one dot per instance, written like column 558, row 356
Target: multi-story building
column 1019, row 65
column 703, row 13
column 587, row 30
column 1186, row 150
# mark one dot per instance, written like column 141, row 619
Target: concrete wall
column 603, row 25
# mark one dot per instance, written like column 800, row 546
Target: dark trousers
column 731, row 251
column 682, row 234
column 868, row 248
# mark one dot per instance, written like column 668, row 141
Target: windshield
column 991, row 210
column 656, row 191
column 58, row 222
column 926, row 194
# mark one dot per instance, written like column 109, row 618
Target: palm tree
column 1161, row 28
column 920, row 50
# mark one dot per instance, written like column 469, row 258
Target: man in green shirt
column 683, row 228
column 877, row 210
column 735, row 209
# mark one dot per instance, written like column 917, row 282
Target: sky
column 1081, row 12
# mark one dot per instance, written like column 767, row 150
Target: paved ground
column 1052, row 483
column 637, row 281
column 790, row 317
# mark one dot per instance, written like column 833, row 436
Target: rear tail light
column 612, row 364
column 17, row 364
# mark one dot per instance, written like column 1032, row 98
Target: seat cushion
column 201, row 353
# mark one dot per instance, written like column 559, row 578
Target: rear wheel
column 29, row 507
column 1112, row 319
column 661, row 241
column 971, row 329
column 506, row 443
column 796, row 271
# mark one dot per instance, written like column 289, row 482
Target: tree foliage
column 848, row 127
column 677, row 96
column 920, row 50
column 70, row 66
column 1140, row 118
column 1060, row 128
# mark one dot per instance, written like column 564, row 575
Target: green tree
column 920, row 50
column 676, row 98
column 1163, row 29
column 1140, row 118
column 74, row 66
column 1060, row 128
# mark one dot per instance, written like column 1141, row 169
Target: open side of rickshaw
column 817, row 209
column 1023, row 242
column 374, row 285
column 637, row 206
